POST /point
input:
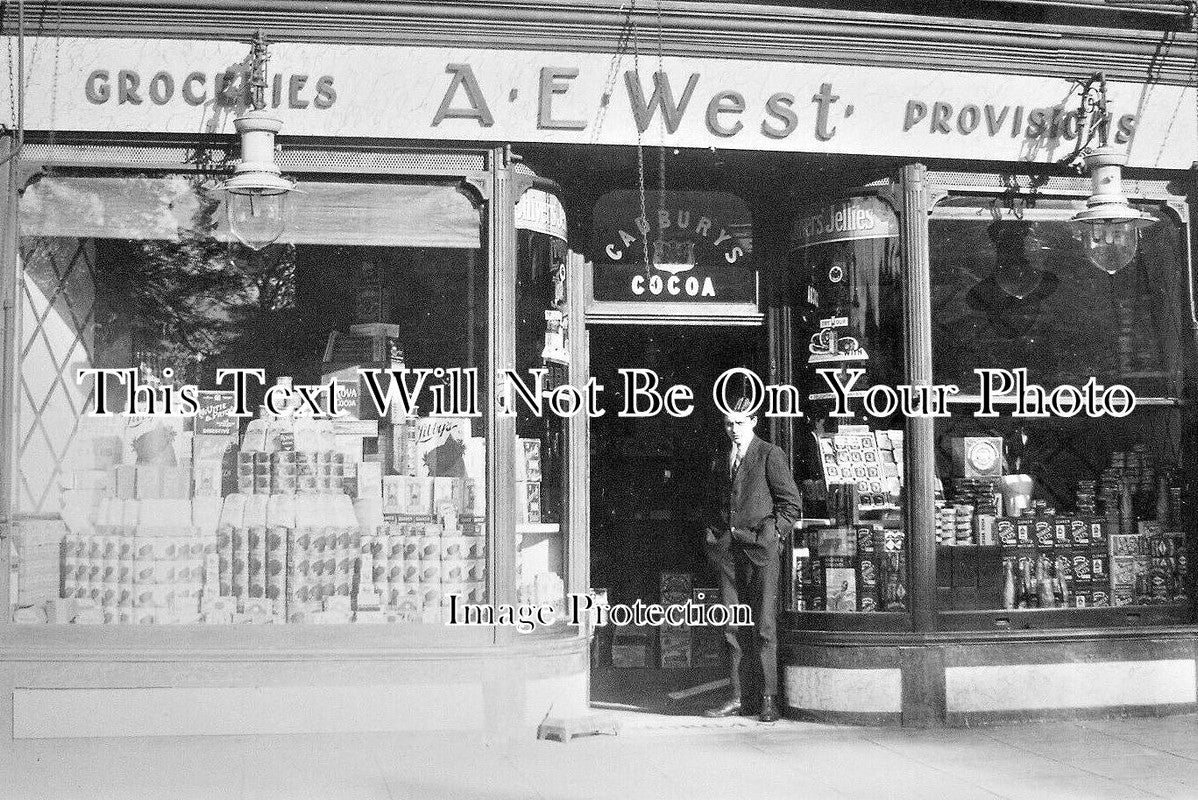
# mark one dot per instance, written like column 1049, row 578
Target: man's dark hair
column 743, row 406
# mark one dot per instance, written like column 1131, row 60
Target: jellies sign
column 699, row 248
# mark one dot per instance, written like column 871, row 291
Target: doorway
column 648, row 480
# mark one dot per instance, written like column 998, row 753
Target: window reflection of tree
column 1070, row 326
column 191, row 300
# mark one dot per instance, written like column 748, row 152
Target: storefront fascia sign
column 170, row 86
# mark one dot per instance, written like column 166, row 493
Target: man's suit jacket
column 751, row 507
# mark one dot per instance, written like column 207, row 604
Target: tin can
column 1043, row 531
column 1081, row 568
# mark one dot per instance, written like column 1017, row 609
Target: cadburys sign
column 470, row 94
column 699, row 246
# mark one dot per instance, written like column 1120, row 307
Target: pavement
column 653, row 756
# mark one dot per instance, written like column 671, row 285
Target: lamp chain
column 259, row 56
column 640, row 148
column 661, row 152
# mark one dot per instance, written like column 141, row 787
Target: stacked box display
column 675, row 650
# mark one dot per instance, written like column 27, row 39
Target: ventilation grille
column 1062, row 184
column 321, row 160
column 306, row 159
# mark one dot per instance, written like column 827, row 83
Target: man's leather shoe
column 729, row 709
column 769, row 711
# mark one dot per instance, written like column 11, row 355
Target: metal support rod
column 501, row 442
column 577, row 538
column 10, row 275
column 919, row 510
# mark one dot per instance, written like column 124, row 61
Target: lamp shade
column 257, row 203
column 1111, row 239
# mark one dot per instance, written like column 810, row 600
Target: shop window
column 846, row 322
column 1068, row 509
column 286, row 516
column 542, row 348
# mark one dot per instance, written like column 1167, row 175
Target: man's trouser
column 742, row 581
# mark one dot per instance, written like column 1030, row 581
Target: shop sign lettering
column 462, row 93
column 777, row 119
column 864, row 217
column 197, row 88
column 698, row 247
column 1053, row 122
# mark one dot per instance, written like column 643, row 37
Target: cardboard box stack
column 631, row 646
column 141, row 561
column 528, row 481
column 707, row 642
column 806, row 576
column 538, row 583
column 1074, row 547
column 1148, row 567
column 836, row 549
column 430, row 541
column 675, row 641
column 169, row 524
column 869, row 568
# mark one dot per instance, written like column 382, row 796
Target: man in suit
column 755, row 499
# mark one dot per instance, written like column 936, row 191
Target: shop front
column 246, row 560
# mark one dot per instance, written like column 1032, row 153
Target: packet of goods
column 205, row 514
column 102, row 514
column 280, row 521
column 374, row 543
column 76, row 511
column 369, row 514
column 324, row 548
column 332, row 530
column 393, row 549
column 349, row 543
column 130, row 511
column 69, row 572
column 210, row 583
column 312, row 519
column 255, row 539
column 298, row 576
column 309, row 517
column 230, row 546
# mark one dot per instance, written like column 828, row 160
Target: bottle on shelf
column 1008, row 587
column 1060, row 590
column 1162, row 502
column 1044, row 597
column 1025, row 594
column 1127, row 517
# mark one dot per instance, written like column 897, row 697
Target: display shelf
column 1174, row 613
column 976, row 399
column 538, row 528
column 888, row 621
